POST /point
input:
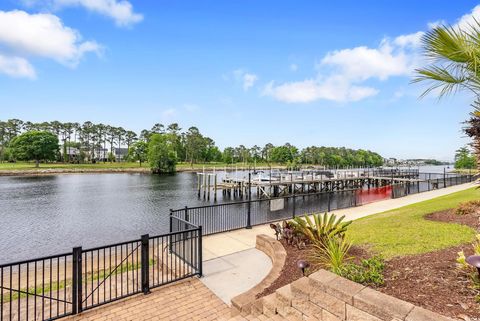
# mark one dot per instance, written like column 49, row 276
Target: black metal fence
column 225, row 217
column 52, row 287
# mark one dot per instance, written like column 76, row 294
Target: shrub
column 368, row 272
column 332, row 254
column 287, row 232
column 321, row 228
column 471, row 207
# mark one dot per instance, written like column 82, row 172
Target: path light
column 302, row 264
column 474, row 260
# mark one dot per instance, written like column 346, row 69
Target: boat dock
column 277, row 184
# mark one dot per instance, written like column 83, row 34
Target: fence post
column 187, row 218
column 171, row 231
column 294, row 206
column 444, row 179
column 393, row 188
column 328, row 197
column 249, row 204
column 200, row 251
column 145, row 263
column 77, row 280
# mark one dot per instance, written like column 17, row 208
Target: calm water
column 51, row 214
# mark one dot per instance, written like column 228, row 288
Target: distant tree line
column 168, row 144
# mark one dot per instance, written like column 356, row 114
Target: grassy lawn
column 115, row 165
column 404, row 231
column 28, row 166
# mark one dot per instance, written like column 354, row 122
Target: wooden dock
column 283, row 184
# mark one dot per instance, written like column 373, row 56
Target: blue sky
column 244, row 72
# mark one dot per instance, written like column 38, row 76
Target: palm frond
column 455, row 56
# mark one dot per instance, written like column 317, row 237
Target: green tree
column 228, row 154
column 195, row 145
column 138, row 152
column 35, row 145
column 283, row 154
column 161, row 153
column 454, row 65
column 464, row 159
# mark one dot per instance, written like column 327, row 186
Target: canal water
column 46, row 215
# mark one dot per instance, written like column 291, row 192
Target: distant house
column 101, row 154
column 120, row 153
column 390, row 161
column 71, row 152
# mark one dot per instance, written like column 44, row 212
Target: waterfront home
column 120, row 153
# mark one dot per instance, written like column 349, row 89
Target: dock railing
column 55, row 286
column 230, row 216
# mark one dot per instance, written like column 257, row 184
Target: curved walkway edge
column 222, row 244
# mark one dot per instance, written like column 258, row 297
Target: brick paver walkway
column 186, row 300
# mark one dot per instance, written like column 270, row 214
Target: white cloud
column 121, row 11
column 16, row 67
column 247, row 79
column 341, row 73
column 43, row 35
column 362, row 63
column 468, row 19
column 334, row 88
column 411, row 40
column 25, row 35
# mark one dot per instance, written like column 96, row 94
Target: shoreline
column 129, row 170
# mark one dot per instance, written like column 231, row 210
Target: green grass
column 31, row 166
column 404, row 231
column 27, row 166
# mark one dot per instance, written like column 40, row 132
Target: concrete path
column 233, row 274
column 222, row 244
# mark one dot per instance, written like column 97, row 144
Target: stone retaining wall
column 322, row 295
column 326, row 296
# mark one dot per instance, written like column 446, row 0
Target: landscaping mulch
column 449, row 216
column 431, row 281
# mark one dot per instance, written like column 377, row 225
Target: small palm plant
column 333, row 254
column 320, row 228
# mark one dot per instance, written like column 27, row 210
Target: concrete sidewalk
column 222, row 244
column 233, row 274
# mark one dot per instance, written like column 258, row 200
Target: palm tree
column 454, row 56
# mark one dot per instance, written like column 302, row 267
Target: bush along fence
column 225, row 217
column 52, row 287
